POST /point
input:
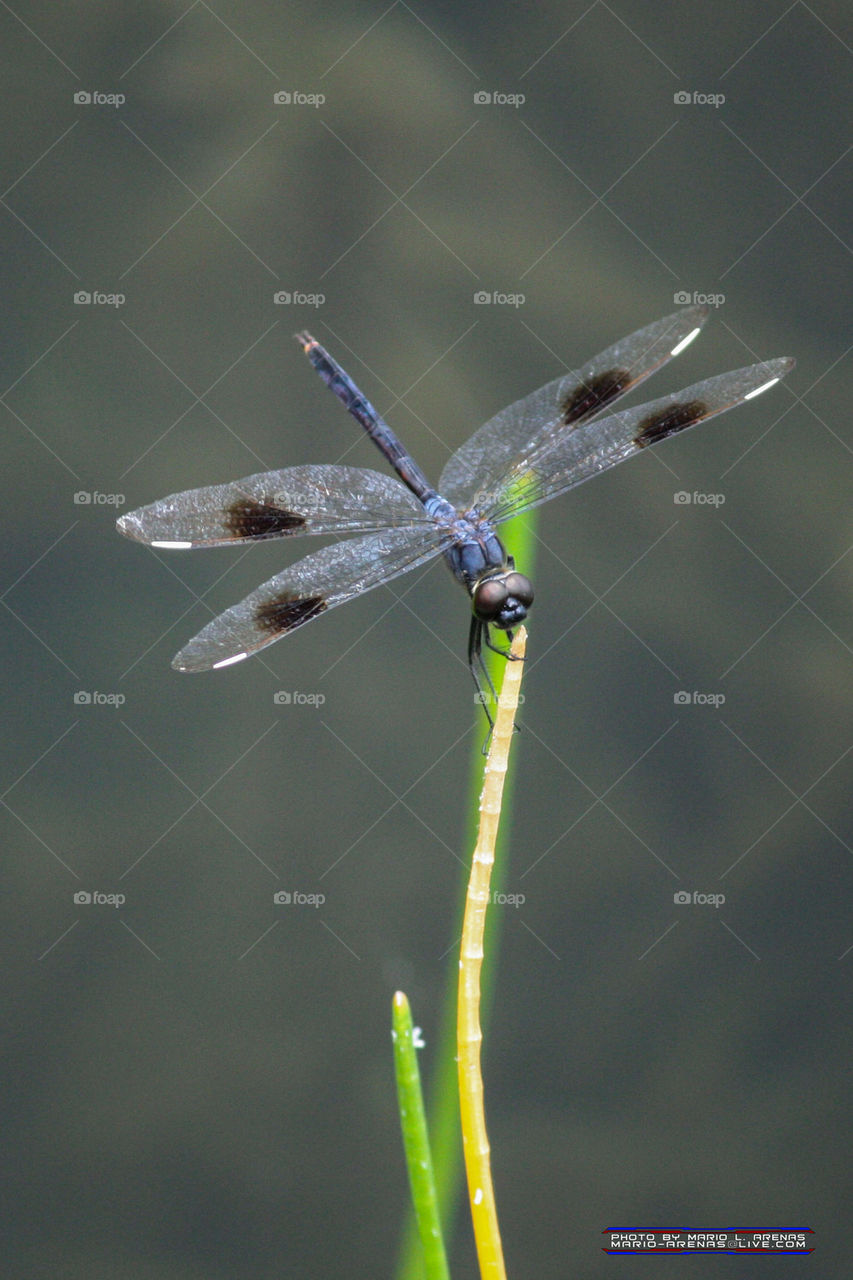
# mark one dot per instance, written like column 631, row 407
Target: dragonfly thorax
column 502, row 599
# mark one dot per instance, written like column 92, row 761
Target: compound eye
column 520, row 588
column 489, row 598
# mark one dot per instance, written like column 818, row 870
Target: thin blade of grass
column 416, row 1141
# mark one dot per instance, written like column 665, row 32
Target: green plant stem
column 472, row 957
column 443, row 1109
column 416, row 1141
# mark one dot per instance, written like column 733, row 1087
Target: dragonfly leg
column 504, row 653
column 495, row 648
column 483, row 680
column 479, row 671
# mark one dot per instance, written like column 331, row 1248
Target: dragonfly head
column 502, row 598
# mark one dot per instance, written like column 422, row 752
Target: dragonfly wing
column 276, row 504
column 567, row 460
column 565, row 403
column 308, row 588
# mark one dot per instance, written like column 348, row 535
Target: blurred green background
column 199, row 1082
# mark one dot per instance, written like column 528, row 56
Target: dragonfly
column 531, row 451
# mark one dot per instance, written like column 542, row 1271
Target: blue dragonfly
column 530, row 452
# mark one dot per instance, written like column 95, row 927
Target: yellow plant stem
column 469, row 1036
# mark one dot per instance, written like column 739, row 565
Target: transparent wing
column 276, row 504
column 308, row 588
column 561, row 463
column 563, row 405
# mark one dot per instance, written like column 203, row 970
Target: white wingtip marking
column 173, row 546
column 685, row 342
column 758, row 391
column 226, row 662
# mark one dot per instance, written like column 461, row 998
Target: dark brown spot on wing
column 594, row 395
column 665, row 422
column 288, row 612
column 246, row 518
